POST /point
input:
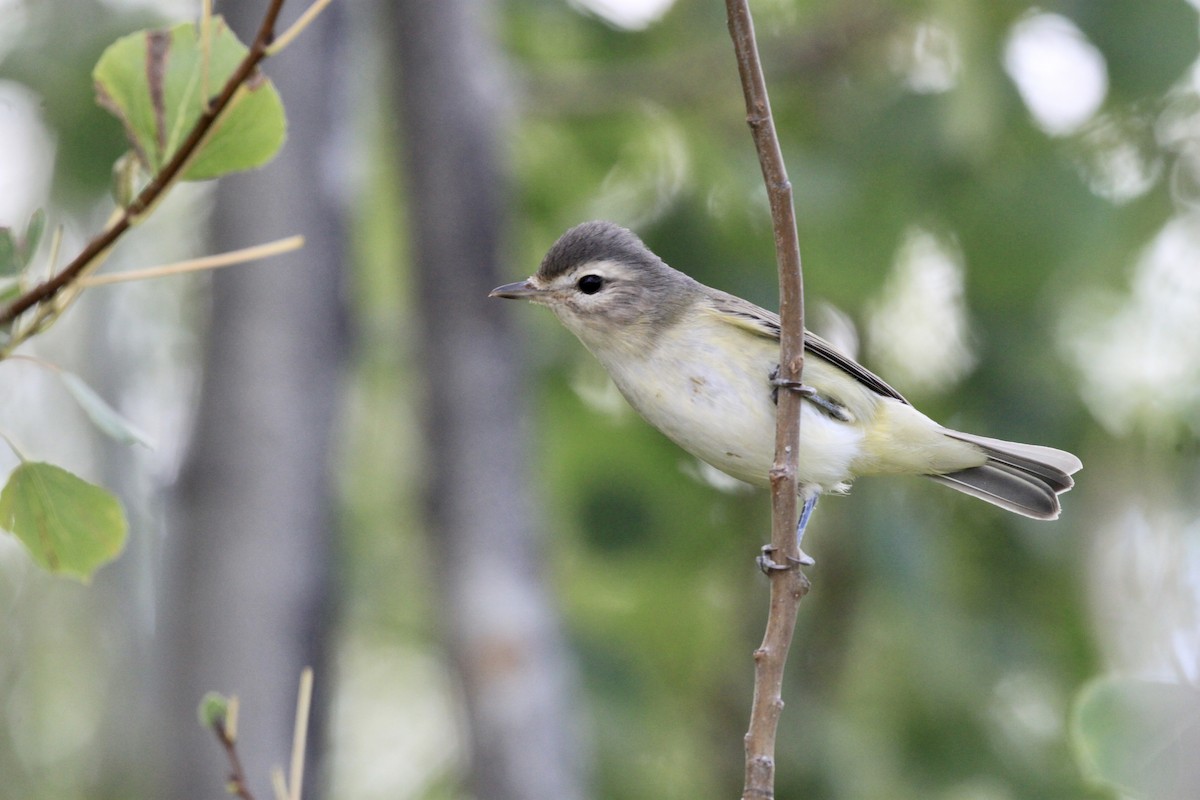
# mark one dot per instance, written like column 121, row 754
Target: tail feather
column 1023, row 478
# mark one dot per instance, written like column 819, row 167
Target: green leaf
column 9, row 264
column 1140, row 737
column 15, row 252
column 103, row 416
column 157, row 82
column 32, row 237
column 9, row 289
column 214, row 707
column 248, row 135
column 70, row 526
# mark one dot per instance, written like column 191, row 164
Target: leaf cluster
column 193, row 106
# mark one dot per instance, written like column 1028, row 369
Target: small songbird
column 699, row 365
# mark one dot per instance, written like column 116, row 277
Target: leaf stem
column 226, row 733
column 11, row 446
column 228, row 259
column 300, row 735
column 305, row 19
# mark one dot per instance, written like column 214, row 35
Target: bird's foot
column 767, row 563
column 778, row 383
column 831, row 407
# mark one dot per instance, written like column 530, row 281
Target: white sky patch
column 28, row 161
column 1151, row 627
column 396, row 716
column 1060, row 75
column 1119, row 159
column 630, row 14
column 1185, row 178
column 1177, row 131
column 633, row 15
column 14, row 18
column 1027, row 709
column 1139, row 352
column 917, row 328
column 171, row 9
column 928, row 57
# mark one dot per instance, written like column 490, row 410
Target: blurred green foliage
column 938, row 652
column 1140, row 736
column 87, row 143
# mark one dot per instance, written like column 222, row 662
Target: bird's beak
column 521, row 290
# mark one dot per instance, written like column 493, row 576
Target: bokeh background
column 509, row 585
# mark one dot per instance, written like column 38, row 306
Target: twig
column 99, row 246
column 229, row 259
column 300, row 736
column 226, row 731
column 790, row 585
column 291, row 787
column 279, row 783
column 304, row 20
column 221, row 715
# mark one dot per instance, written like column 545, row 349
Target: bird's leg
column 768, row 565
column 831, row 407
column 796, row 386
column 765, row 562
column 810, row 503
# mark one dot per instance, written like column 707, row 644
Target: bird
column 700, row 365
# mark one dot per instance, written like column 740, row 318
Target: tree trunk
column 504, row 635
column 247, row 593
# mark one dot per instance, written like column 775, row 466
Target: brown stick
column 161, row 181
column 236, row 781
column 788, row 586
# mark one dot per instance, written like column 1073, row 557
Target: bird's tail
column 1023, row 478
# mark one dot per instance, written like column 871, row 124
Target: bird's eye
column 590, row 284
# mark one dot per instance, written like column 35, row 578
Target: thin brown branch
column 162, row 180
column 788, row 586
column 226, row 734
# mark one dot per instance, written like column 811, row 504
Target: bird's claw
column 831, row 407
column 768, row 564
column 778, row 383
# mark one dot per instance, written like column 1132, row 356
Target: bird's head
column 606, row 286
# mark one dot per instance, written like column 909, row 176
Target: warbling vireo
column 698, row 364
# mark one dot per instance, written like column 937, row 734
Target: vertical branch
column 790, row 585
column 450, row 96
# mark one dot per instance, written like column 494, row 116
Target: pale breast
column 711, row 395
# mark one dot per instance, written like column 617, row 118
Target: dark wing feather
column 766, row 323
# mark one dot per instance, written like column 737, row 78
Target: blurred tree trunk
column 504, row 635
column 247, row 593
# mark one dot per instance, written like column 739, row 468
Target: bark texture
column 247, row 595
column 503, row 632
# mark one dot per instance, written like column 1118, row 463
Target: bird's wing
column 761, row 322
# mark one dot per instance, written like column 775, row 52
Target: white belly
column 721, row 411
